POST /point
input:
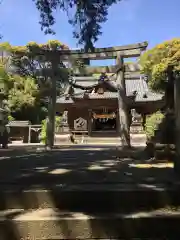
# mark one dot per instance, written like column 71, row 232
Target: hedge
column 152, row 123
column 44, row 127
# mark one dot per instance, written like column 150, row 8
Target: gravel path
column 81, row 165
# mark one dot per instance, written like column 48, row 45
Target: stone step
column 134, row 139
column 98, row 138
column 53, row 224
column 103, row 140
column 92, row 197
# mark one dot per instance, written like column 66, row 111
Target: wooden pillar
column 89, row 122
column 117, row 123
column 177, row 124
column 122, row 104
column 52, row 105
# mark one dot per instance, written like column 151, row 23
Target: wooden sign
column 80, row 124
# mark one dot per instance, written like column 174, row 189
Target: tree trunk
column 169, row 93
column 177, row 119
column 122, row 105
column 52, row 107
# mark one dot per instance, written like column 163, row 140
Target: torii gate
column 121, row 69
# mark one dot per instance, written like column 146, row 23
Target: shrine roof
column 19, row 123
column 150, row 97
column 144, row 94
column 139, row 85
column 146, row 97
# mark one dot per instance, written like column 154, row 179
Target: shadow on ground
column 83, row 165
column 85, row 170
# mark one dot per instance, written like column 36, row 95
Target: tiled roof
column 108, row 95
column 19, row 123
column 144, row 94
column 138, row 85
column 113, row 95
column 150, row 97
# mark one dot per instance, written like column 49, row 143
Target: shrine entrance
column 104, row 121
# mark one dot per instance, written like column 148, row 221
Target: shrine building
column 92, row 103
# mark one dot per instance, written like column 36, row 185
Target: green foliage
column 43, row 130
column 27, row 83
column 156, row 61
column 4, row 80
column 152, row 122
column 10, row 118
column 44, row 127
column 32, row 47
column 22, row 93
column 28, row 63
column 18, row 91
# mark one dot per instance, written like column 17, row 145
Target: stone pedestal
column 65, row 129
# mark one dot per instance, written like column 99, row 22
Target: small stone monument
column 64, row 122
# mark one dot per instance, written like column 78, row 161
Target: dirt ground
column 82, row 165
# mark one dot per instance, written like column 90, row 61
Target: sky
column 129, row 21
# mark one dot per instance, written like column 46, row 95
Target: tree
column 162, row 64
column 87, row 20
column 22, row 93
column 4, row 80
column 5, row 58
column 26, row 62
column 43, row 62
column 158, row 61
column 19, row 92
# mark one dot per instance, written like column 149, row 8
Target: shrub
column 10, row 118
column 44, row 127
column 152, row 123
